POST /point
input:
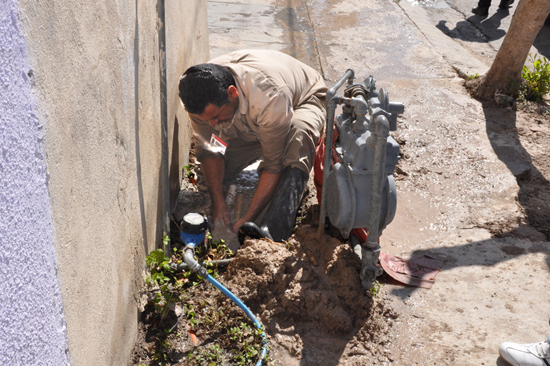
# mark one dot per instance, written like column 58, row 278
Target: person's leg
column 239, row 155
column 505, row 4
column 306, row 129
column 482, row 7
column 280, row 216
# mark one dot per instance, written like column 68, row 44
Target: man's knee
column 300, row 149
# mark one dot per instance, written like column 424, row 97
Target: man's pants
column 305, row 130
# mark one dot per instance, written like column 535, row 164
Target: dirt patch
column 309, row 295
column 520, row 140
column 306, row 292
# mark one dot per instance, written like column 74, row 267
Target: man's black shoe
column 253, row 231
column 505, row 4
column 478, row 10
column 280, row 216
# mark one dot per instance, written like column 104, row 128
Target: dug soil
column 308, row 294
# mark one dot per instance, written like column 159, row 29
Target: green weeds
column 229, row 338
column 375, row 289
column 160, row 355
column 247, row 343
column 536, row 81
column 212, row 355
column 162, row 276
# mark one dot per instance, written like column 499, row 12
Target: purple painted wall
column 32, row 324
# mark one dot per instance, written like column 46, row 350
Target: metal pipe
column 239, row 203
column 328, row 158
column 331, row 107
column 349, row 75
column 219, row 263
column 371, row 249
column 165, row 182
column 381, row 133
column 189, row 258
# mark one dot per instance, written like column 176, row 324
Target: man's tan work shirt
column 271, row 85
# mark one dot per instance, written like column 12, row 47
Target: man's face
column 214, row 115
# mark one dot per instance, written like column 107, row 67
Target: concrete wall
column 186, row 39
column 94, row 71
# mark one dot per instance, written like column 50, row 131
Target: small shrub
column 375, row 289
column 212, row 355
column 162, row 276
column 247, row 343
column 536, row 81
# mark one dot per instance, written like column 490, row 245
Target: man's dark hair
column 203, row 84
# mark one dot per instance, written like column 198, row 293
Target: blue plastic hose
column 191, row 241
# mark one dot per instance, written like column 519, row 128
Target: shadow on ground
column 513, row 240
column 476, row 28
column 482, row 30
column 542, row 42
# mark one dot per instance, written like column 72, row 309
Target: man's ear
column 232, row 92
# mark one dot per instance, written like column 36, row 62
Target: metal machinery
column 359, row 191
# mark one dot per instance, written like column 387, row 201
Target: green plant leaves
column 536, row 81
column 238, row 342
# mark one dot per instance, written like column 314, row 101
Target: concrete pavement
column 456, row 190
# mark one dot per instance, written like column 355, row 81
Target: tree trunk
column 505, row 73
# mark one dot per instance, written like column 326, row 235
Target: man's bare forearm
column 213, row 170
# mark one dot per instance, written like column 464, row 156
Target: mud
column 309, row 296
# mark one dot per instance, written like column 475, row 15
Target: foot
column 505, row 4
column 534, row 354
column 253, row 231
column 478, row 10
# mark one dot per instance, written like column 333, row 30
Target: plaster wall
column 96, row 77
column 187, row 41
column 32, row 325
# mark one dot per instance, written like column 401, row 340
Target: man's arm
column 263, row 194
column 213, row 170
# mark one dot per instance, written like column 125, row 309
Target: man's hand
column 238, row 224
column 220, row 214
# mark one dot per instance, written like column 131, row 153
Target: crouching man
column 253, row 104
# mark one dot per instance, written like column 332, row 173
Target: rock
column 504, row 100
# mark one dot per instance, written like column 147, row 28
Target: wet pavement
column 455, row 190
column 392, row 40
